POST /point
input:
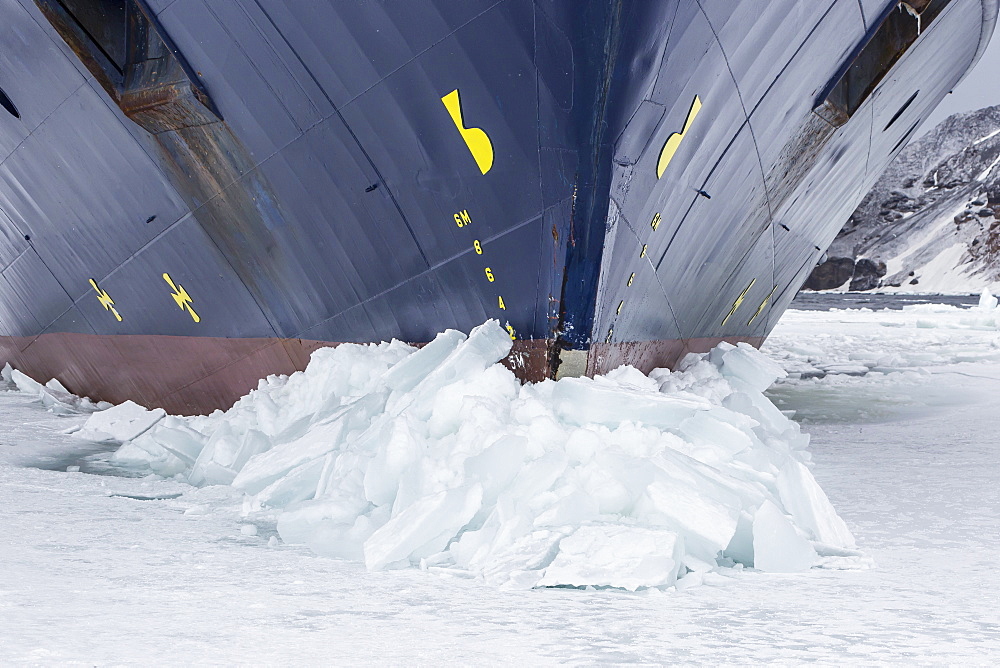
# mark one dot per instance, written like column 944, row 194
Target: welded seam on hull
column 171, row 3
column 767, row 194
column 115, row 111
column 430, row 270
column 354, row 137
column 21, row 231
column 339, row 114
column 267, row 343
column 648, row 259
column 739, row 94
column 266, row 80
column 18, row 256
column 42, row 122
column 694, row 198
column 756, row 148
column 774, row 283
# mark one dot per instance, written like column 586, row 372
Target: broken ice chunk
column 53, row 394
column 486, row 345
column 425, row 527
column 705, row 512
column 299, row 484
column 414, row 367
column 749, row 365
column 808, row 504
column 323, row 437
column 616, row 556
column 777, row 546
column 120, row 423
column 581, row 401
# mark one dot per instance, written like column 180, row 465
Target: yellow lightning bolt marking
column 763, row 305
column 739, row 300
column 182, row 298
column 106, row 301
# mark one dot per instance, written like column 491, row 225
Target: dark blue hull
column 204, row 195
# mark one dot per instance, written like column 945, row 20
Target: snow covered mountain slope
column 932, row 222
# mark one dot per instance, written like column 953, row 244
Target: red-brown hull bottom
column 190, row 375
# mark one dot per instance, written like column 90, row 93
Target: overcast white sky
column 980, row 89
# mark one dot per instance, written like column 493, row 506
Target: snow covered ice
column 103, row 568
column 400, row 457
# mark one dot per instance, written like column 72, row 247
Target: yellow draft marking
column 630, row 279
column 489, row 275
column 674, row 140
column 655, row 223
column 503, row 307
column 643, row 252
column 620, row 305
column 106, row 301
column 182, row 298
column 763, row 305
column 478, row 141
column 478, row 246
column 513, row 334
column 739, row 300
column 611, row 330
column 462, row 218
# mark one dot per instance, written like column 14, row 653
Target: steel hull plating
column 622, row 182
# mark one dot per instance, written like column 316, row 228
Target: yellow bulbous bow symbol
column 674, row 140
column 477, row 140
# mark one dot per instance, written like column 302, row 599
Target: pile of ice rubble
column 440, row 458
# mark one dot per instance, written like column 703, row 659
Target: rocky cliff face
column 932, row 222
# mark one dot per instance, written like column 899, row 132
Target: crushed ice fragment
column 120, row 423
column 616, row 556
column 777, row 546
column 808, row 504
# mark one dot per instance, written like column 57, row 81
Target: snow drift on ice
column 438, row 457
